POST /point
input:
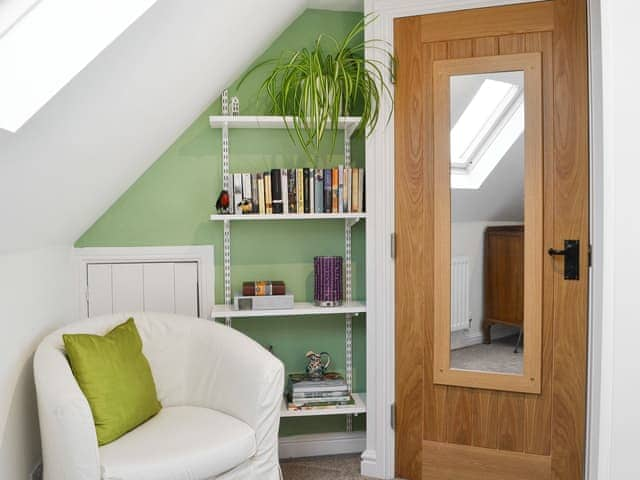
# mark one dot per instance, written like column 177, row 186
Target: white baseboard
column 317, row 444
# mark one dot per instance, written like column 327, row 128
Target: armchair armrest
column 229, row 372
column 69, row 441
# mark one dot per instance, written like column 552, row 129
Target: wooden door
column 448, row 432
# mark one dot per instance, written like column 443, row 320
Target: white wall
column 36, row 296
column 467, row 240
column 617, row 202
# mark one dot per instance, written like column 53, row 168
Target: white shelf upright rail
column 226, row 185
column 348, row 224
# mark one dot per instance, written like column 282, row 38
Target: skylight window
column 45, row 43
column 489, row 125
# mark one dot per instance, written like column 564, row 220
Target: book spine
column 354, row 190
column 246, row 187
column 361, row 189
column 267, row 193
column 263, row 288
column 334, row 190
column 305, row 175
column 347, row 189
column 254, row 193
column 276, row 191
column 312, row 195
column 319, row 191
column 299, row 191
column 340, row 188
column 327, row 190
column 237, row 192
column 291, row 190
column 261, row 205
column 284, row 190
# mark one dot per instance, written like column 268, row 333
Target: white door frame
column 378, row 460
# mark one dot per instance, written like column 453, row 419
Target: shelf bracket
column 351, row 222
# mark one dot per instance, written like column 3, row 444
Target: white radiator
column 460, row 313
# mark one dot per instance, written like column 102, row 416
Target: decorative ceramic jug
column 315, row 366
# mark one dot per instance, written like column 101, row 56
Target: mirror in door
column 489, row 221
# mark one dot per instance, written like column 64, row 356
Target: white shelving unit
column 349, row 309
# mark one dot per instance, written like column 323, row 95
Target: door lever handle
column 571, row 254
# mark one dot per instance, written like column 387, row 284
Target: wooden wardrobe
column 503, row 277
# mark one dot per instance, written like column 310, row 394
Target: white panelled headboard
column 162, row 279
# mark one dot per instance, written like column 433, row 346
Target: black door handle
column 571, row 255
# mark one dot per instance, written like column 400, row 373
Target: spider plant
column 334, row 78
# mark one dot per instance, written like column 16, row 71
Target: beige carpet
column 338, row 467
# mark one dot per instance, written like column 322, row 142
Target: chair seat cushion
column 179, row 443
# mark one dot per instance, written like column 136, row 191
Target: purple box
column 328, row 281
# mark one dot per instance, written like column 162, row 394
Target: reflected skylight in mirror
column 487, row 114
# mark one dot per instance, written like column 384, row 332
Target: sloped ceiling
column 83, row 149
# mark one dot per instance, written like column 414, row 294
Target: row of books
column 306, row 393
column 299, row 190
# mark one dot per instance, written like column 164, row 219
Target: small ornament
column 225, row 102
column 316, row 368
column 235, row 106
column 222, row 204
column 245, row 206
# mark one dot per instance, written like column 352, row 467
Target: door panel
column 449, row 432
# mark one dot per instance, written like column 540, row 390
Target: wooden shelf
column 359, row 407
column 299, row 308
column 271, row 122
column 288, row 216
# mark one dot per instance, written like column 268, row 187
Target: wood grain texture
column 457, row 462
column 538, row 411
column 459, row 415
column 484, row 414
column 571, row 186
column 410, row 258
column 483, row 22
column 511, row 422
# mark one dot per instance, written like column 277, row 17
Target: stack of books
column 299, row 191
column 305, row 393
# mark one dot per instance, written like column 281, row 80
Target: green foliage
column 334, row 78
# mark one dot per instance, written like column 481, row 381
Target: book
column 327, row 190
column 312, row 195
column 246, row 187
column 299, row 191
column 237, row 192
column 318, row 191
column 291, row 190
column 354, row 190
column 267, row 193
column 254, row 193
column 334, row 190
column 340, row 188
column 346, row 207
column 320, row 405
column 336, row 395
column 330, row 382
column 306, row 180
column 276, row 191
column 342, row 400
column 261, row 205
column 263, row 288
column 361, row 189
column 284, row 190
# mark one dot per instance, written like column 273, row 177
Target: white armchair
column 220, row 393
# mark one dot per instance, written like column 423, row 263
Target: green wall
column 171, row 202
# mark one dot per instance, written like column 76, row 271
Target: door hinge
column 393, row 416
column 393, row 245
column 590, row 256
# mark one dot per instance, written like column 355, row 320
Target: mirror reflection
column 487, row 221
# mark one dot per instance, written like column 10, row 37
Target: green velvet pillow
column 115, row 376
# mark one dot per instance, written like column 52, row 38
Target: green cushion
column 115, row 376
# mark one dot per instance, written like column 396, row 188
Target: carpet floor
column 497, row 356
column 337, row 467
